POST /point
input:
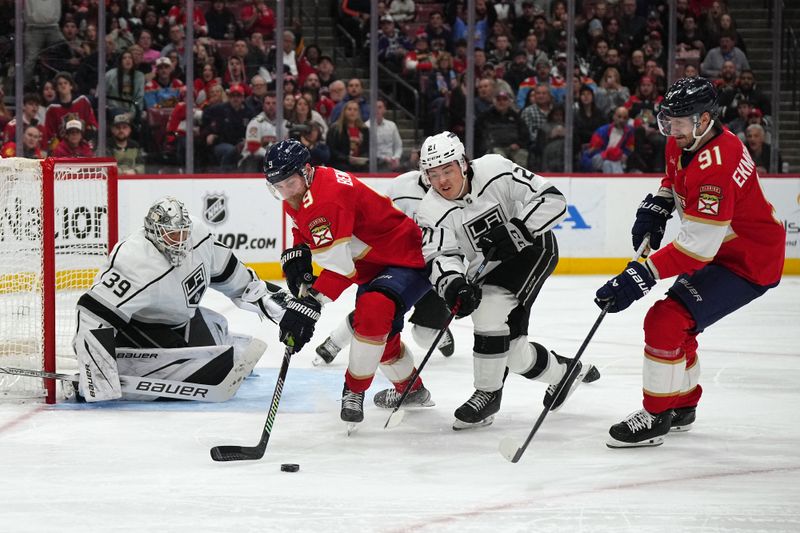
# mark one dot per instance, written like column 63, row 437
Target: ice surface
column 146, row 467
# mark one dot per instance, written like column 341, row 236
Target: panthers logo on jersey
column 194, row 286
column 477, row 226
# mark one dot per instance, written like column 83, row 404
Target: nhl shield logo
column 215, row 208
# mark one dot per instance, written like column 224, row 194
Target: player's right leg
column 429, row 317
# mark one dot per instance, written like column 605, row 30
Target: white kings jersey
column 499, row 191
column 139, row 283
column 406, row 191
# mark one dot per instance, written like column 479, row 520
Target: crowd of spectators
column 520, row 63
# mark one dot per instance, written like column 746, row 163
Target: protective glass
column 288, row 188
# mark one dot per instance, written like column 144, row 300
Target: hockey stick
column 510, row 448
column 396, row 415
column 243, row 453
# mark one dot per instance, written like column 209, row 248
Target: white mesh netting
column 80, row 218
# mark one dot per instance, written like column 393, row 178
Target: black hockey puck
column 290, row 467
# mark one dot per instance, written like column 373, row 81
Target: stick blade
column 510, row 449
column 395, row 419
column 236, row 453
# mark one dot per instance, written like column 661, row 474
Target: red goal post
column 58, row 223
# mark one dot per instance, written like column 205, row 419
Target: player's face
column 448, row 180
column 681, row 128
column 291, row 189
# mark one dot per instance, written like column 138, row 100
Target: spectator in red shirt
column 31, row 145
column 73, row 145
column 67, row 104
column 256, row 16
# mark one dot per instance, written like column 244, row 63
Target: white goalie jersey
column 500, row 190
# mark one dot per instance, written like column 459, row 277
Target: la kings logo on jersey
column 215, row 208
column 194, row 286
column 477, row 226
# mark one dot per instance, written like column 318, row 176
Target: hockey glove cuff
column 296, row 265
column 507, row 239
column 624, row 289
column 651, row 217
column 265, row 298
column 298, row 322
column 467, row 295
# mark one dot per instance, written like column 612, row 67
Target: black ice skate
column 389, row 398
column 447, row 345
column 479, row 410
column 326, row 353
column 590, row 377
column 577, row 377
column 683, row 419
column 640, row 429
column 352, row 406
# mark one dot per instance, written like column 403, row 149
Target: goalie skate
column 389, row 398
column 479, row 410
column 639, row 429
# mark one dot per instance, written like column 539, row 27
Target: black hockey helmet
column 284, row 159
column 690, row 96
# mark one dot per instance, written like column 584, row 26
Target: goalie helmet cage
column 58, row 223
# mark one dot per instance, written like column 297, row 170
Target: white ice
column 146, row 467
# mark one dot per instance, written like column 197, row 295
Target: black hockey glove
column 624, row 289
column 297, row 324
column 467, row 294
column 296, row 265
column 651, row 217
column 507, row 239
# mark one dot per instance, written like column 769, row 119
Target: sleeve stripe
column 694, row 256
column 227, row 272
column 406, row 198
column 445, row 215
column 129, row 298
column 492, row 181
column 526, row 183
column 707, row 221
column 555, row 218
column 202, row 241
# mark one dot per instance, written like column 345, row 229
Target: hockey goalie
column 142, row 333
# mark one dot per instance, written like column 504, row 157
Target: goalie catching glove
column 507, row 239
column 265, row 298
column 299, row 320
column 296, row 265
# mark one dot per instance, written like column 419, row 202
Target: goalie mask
column 168, row 226
column 440, row 149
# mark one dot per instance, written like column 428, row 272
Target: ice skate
column 352, row 408
column 448, row 344
column 572, row 383
column 640, row 429
column 389, row 398
column 683, row 419
column 591, row 376
column 479, row 410
column 326, row 353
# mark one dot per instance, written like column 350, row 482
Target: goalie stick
column 512, row 449
column 396, row 416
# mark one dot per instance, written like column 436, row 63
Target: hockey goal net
column 58, row 222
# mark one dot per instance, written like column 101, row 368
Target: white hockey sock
column 424, row 337
column 535, row 354
column 364, row 357
column 401, row 368
column 342, row 334
column 488, row 372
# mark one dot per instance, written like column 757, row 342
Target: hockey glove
column 651, row 217
column 467, row 294
column 624, row 289
column 297, row 324
column 265, row 298
column 296, row 265
column 507, row 239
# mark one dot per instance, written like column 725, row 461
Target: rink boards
column 594, row 238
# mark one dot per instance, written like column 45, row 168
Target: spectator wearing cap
column 726, row 51
column 420, row 59
column 436, row 29
column 73, row 144
column 354, row 92
column 403, row 11
column 164, row 90
column 67, row 104
column 125, row 86
column 129, row 156
column 518, row 70
column 500, row 130
column 326, row 70
column 390, row 146
column 224, row 128
column 392, row 45
column 610, row 146
column 543, row 75
column 31, row 145
column 760, row 149
column 611, row 93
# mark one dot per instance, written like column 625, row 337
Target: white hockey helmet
column 440, row 149
column 168, row 226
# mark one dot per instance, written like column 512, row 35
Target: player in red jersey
column 729, row 251
column 358, row 237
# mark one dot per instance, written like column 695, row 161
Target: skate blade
column 460, row 425
column 617, row 444
column 319, row 361
column 352, row 427
column 681, row 429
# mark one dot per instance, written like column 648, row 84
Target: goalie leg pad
column 98, row 373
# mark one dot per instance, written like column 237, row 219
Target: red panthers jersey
column 353, row 232
column 725, row 217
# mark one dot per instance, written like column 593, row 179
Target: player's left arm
column 543, row 205
column 707, row 215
